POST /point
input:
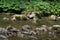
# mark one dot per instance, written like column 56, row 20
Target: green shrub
column 43, row 6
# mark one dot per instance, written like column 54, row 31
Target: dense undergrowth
column 42, row 6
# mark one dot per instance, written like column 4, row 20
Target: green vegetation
column 42, row 6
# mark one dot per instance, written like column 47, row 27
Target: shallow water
column 18, row 24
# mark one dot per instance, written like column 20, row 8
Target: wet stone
column 3, row 37
column 20, row 35
column 53, row 17
column 12, row 31
column 5, row 18
column 26, row 28
column 3, row 31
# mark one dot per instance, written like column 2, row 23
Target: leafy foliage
column 43, row 6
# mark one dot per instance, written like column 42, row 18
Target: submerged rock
column 5, row 18
column 33, row 37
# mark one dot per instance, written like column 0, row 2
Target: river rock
column 13, row 19
column 20, row 35
column 35, row 19
column 33, row 37
column 12, row 30
column 3, row 37
column 43, row 28
column 58, row 18
column 30, row 32
column 56, row 26
column 53, row 17
column 5, row 18
column 31, row 15
column 26, row 28
column 3, row 31
column 50, row 28
column 18, row 17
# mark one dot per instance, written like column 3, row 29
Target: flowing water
column 18, row 24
